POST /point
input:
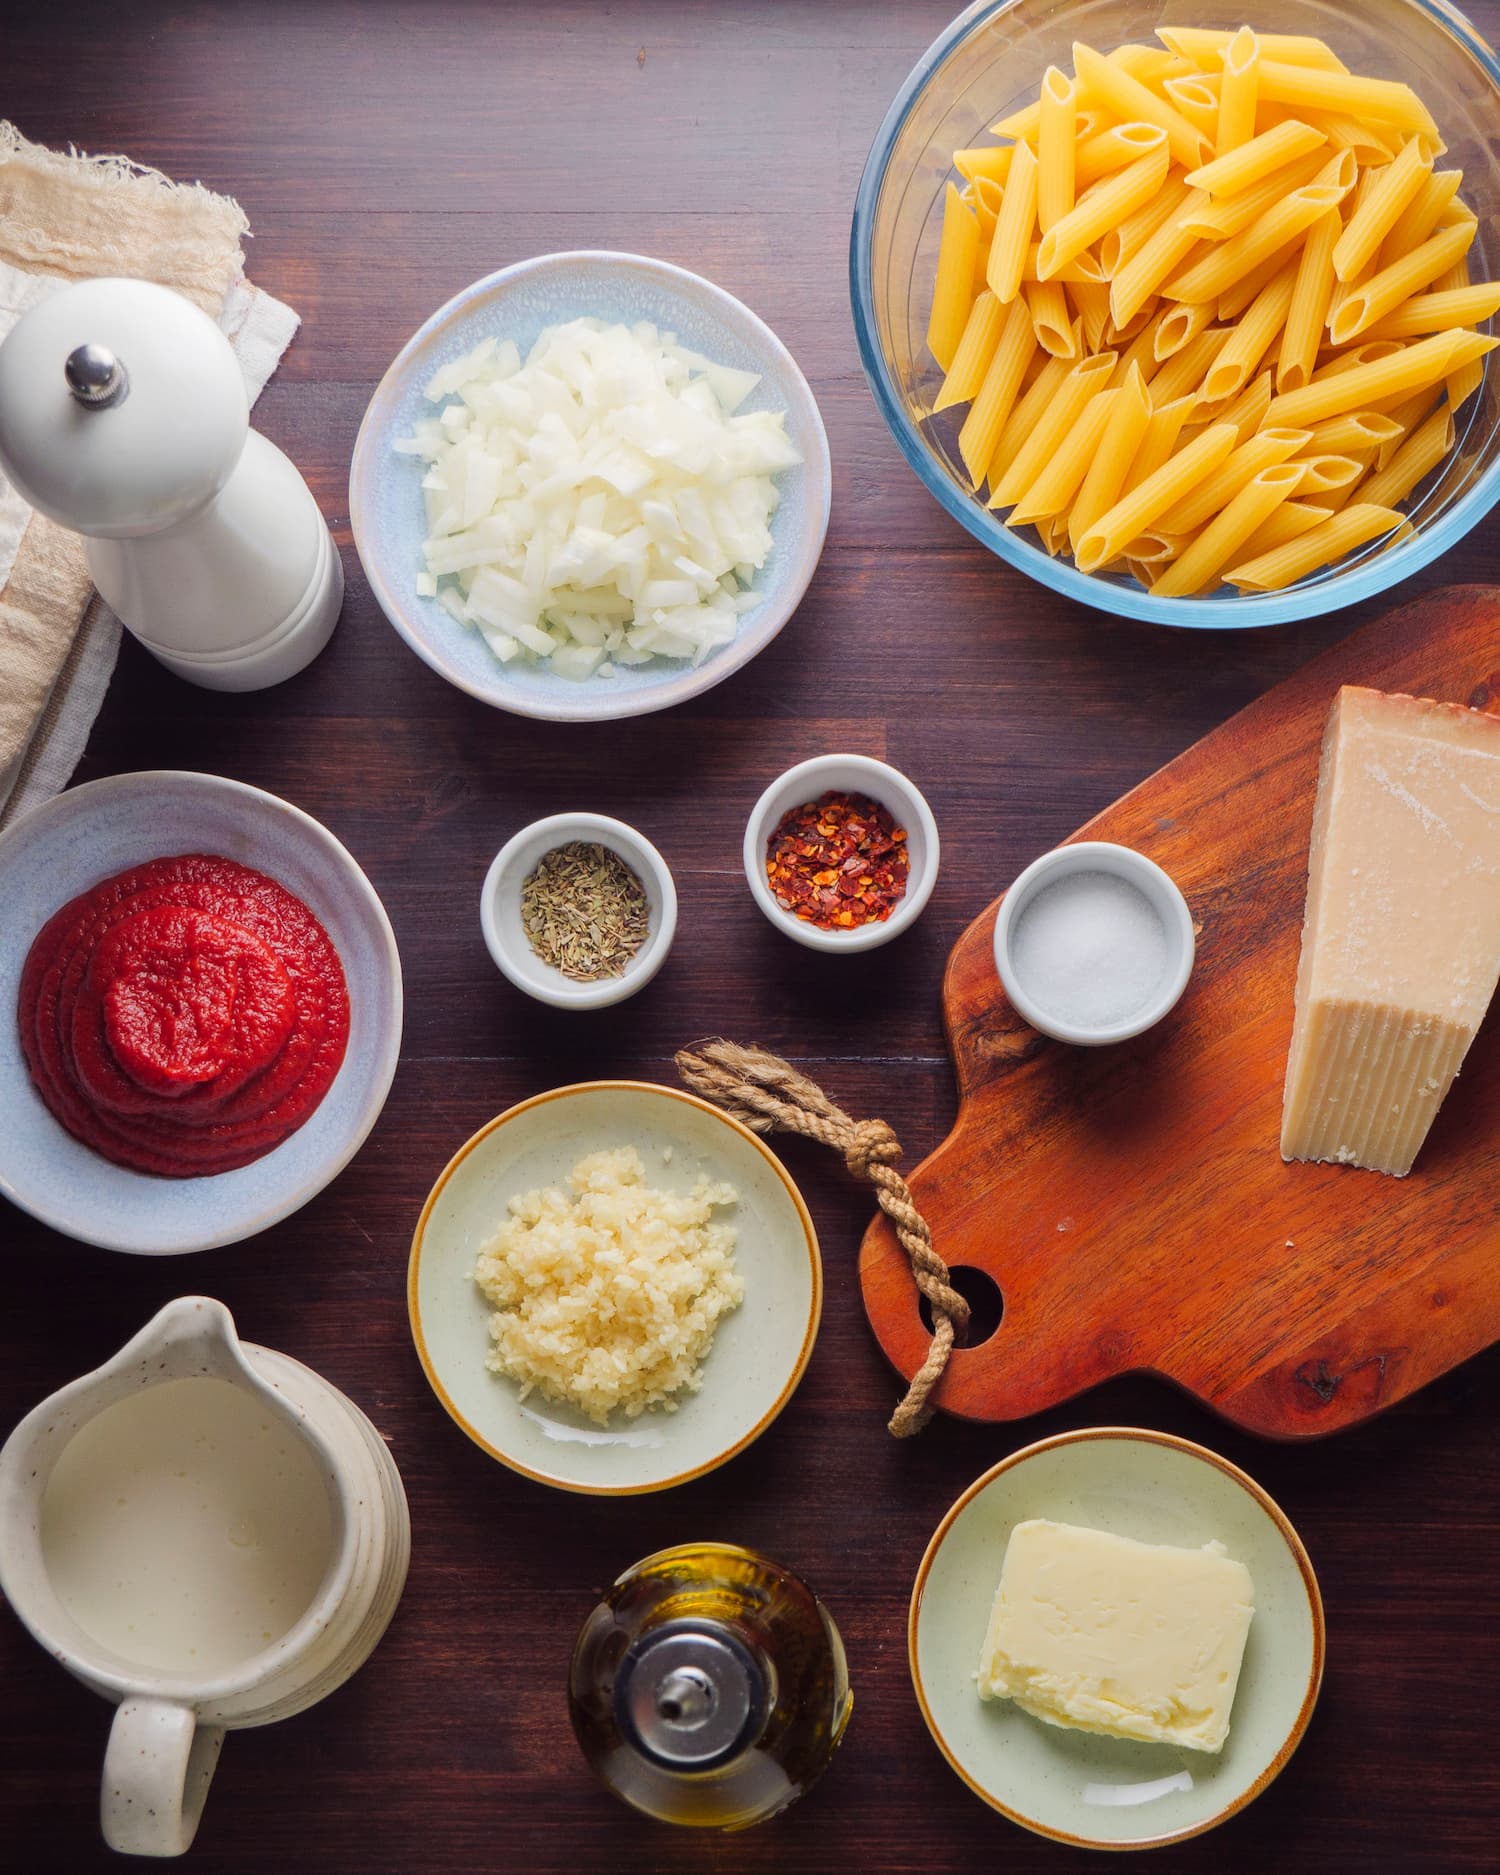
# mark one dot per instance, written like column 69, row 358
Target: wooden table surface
column 387, row 154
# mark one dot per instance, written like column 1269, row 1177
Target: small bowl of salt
column 1094, row 943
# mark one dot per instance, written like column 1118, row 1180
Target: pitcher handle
column 157, row 1768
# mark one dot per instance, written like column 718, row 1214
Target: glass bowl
column 991, row 60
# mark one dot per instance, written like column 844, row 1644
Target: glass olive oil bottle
column 709, row 1688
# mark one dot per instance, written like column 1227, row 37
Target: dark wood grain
column 1295, row 1300
column 387, row 154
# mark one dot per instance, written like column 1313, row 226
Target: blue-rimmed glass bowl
column 989, row 61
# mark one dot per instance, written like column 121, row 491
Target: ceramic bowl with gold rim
column 760, row 1349
column 1081, row 1787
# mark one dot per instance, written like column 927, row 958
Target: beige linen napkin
column 71, row 217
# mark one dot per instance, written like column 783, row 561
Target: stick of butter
column 1105, row 1634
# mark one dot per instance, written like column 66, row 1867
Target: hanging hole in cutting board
column 982, row 1293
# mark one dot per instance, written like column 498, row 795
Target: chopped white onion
column 604, row 503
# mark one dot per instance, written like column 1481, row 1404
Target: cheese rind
column 1401, row 940
column 1102, row 1633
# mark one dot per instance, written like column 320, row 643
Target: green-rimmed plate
column 1079, row 1787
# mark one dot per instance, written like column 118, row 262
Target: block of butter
column 1401, row 942
column 1105, row 1634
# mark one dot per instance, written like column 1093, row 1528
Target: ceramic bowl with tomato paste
column 200, row 1011
column 841, row 852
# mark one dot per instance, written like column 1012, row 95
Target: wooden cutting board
column 1131, row 1202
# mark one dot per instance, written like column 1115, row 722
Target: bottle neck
column 690, row 1695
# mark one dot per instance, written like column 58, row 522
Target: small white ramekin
column 845, row 774
column 1149, row 879
column 500, row 910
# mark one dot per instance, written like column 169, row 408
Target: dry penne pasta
column 1239, row 92
column 975, row 349
column 955, row 273
column 1201, row 564
column 1330, row 540
column 1260, row 157
column 1209, row 304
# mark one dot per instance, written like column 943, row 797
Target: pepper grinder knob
column 95, row 376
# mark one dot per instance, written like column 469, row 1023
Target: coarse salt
column 1090, row 950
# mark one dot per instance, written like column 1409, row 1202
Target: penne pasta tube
column 1090, row 301
column 1152, row 65
column 996, row 396
column 1048, row 306
column 1422, row 214
column 1013, row 230
column 1239, row 358
column 1422, row 451
column 1205, row 47
column 1374, row 100
column 1197, row 97
column 1231, row 260
column 1383, row 292
column 1119, row 244
column 1247, row 412
column 1104, row 207
column 1367, row 354
column 1104, row 479
column 1185, row 371
column 1216, row 221
column 1348, row 133
column 1323, row 475
column 1137, row 322
column 975, row 350
column 1292, row 518
column 1113, row 148
column 1082, row 267
column 1331, row 540
column 1057, row 481
column 1245, row 461
column 1358, row 430
column 1406, row 416
column 991, row 160
column 1201, row 564
column 1239, row 92
column 1056, row 149
column 1156, row 549
column 1053, row 529
column 1134, row 512
column 1457, row 276
column 1178, row 326
column 1393, row 191
column 1090, row 120
column 1438, row 312
column 1140, row 353
column 1257, row 159
column 1022, row 125
column 1035, row 400
column 1311, row 292
column 1231, row 303
column 952, row 290
column 1142, row 275
column 1163, row 429
column 1132, row 102
column 1082, row 382
column 1463, row 382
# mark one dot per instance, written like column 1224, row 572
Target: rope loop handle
column 768, row 1095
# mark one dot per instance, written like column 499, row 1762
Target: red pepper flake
column 838, row 862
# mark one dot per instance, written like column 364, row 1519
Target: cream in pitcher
column 207, row 1533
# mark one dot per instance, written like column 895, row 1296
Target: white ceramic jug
column 208, row 1534
column 123, row 416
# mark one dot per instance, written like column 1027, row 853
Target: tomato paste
column 185, row 1016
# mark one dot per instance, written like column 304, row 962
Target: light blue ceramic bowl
column 97, row 830
column 385, row 500
column 989, row 61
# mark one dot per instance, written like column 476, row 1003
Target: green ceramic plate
column 1109, row 1793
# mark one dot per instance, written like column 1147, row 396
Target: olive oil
column 709, row 1688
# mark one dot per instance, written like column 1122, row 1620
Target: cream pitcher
column 206, row 1533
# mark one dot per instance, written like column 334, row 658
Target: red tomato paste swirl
column 184, row 1016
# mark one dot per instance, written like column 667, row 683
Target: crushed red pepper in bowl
column 838, row 862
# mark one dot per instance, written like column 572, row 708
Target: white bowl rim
column 378, row 1089
column 689, row 683
column 1329, row 591
column 1285, row 1527
column 637, row 851
column 883, row 779
column 810, row 1332
column 1125, row 862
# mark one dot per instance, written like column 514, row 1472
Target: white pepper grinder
column 123, row 416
